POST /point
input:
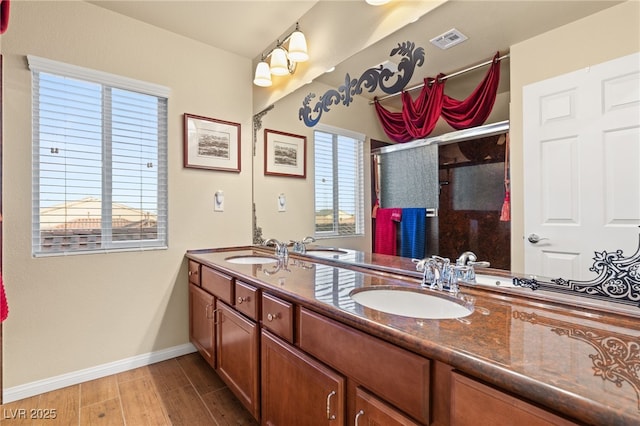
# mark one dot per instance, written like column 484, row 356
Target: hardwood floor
column 179, row 391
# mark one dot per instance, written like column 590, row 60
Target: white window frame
column 358, row 184
column 108, row 81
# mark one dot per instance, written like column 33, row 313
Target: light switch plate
column 282, row 203
column 218, row 201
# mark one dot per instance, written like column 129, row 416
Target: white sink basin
column 494, row 281
column 251, row 260
column 408, row 303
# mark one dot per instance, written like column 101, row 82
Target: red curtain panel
column 418, row 117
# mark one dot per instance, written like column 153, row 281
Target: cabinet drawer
column 194, row 272
column 217, row 283
column 474, row 403
column 398, row 376
column 277, row 316
column 246, row 300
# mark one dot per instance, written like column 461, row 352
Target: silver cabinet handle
column 329, row 415
column 360, row 413
column 535, row 238
column 242, row 299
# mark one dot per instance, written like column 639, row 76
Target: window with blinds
column 99, row 161
column 339, row 183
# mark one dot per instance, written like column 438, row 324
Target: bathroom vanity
column 295, row 347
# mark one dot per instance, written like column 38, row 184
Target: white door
column 581, row 136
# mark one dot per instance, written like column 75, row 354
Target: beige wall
column 76, row 312
column 606, row 35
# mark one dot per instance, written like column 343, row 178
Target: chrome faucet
column 281, row 250
column 470, row 260
column 300, row 246
column 438, row 273
column 466, row 257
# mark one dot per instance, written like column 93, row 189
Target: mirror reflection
column 472, row 176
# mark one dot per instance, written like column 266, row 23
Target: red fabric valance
column 418, row 117
column 4, row 15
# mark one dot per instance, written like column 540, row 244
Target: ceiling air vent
column 448, row 39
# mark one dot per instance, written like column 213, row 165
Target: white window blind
column 99, row 161
column 339, row 183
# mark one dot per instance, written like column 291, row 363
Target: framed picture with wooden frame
column 285, row 154
column 211, row 144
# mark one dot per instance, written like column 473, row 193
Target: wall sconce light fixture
column 282, row 60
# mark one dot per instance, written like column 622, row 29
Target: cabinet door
column 201, row 324
column 371, row 411
column 296, row 389
column 237, row 356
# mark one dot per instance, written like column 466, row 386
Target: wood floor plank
column 17, row 413
column 141, row 404
column 201, row 375
column 185, row 408
column 98, row 390
column 226, row 409
column 104, row 413
column 65, row 402
column 180, row 391
column 135, row 374
column 168, row 375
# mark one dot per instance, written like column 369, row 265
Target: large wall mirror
column 515, row 27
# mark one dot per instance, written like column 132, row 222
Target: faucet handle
column 420, row 264
column 299, row 247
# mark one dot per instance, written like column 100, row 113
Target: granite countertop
column 581, row 362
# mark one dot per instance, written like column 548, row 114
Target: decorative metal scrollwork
column 531, row 283
column 617, row 357
column 371, row 79
column 618, row 279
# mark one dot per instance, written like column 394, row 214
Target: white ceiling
column 248, row 28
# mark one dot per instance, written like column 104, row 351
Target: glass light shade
column 279, row 62
column 263, row 75
column 298, row 47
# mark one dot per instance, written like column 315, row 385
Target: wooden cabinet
column 298, row 390
column 372, row 411
column 247, row 300
column 327, row 372
column 201, row 322
column 194, row 272
column 474, row 403
column 238, row 357
column 277, row 316
column 398, row 376
column 218, row 284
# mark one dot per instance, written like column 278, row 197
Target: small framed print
column 285, row 154
column 211, row 144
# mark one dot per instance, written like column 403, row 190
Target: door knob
column 535, row 238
